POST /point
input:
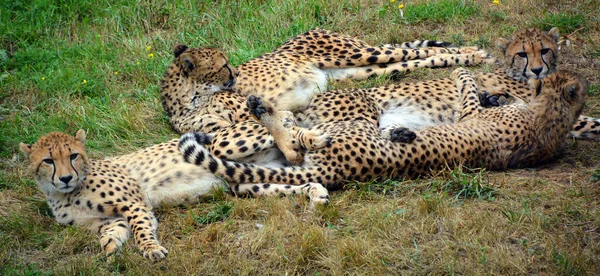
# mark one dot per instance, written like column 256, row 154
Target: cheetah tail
column 424, row 44
column 191, row 146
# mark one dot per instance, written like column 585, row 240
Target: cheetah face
column 530, row 54
column 58, row 161
column 205, row 66
column 564, row 89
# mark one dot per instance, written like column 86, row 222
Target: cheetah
column 201, row 91
column 114, row 197
column 496, row 138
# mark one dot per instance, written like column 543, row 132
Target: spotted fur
column 495, row 138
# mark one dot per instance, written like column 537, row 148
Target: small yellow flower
column 84, row 81
column 148, row 48
column 151, row 55
column 138, row 63
column 392, row 1
column 401, row 6
column 116, row 73
column 496, row 2
column 43, row 78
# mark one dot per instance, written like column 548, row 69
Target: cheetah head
column 206, row 66
column 58, row 161
column 562, row 95
column 530, row 53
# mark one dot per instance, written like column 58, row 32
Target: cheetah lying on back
column 115, row 197
column 496, row 138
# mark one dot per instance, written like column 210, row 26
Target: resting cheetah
column 115, row 196
column 201, row 91
column 496, row 138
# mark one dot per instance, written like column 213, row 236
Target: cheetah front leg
column 143, row 226
column 113, row 233
column 284, row 139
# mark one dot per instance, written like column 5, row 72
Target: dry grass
column 534, row 221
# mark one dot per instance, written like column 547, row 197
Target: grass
column 66, row 65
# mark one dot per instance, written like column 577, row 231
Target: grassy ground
column 96, row 65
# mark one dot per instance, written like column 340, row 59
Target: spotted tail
column 421, row 44
column 191, row 146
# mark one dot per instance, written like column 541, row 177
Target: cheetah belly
column 411, row 117
column 182, row 183
column 302, row 89
column 270, row 158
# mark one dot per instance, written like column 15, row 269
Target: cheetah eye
column 545, row 51
column 48, row 161
column 74, row 156
column 522, row 54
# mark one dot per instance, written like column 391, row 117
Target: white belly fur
column 411, row 117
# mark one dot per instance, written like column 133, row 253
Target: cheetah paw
column 109, row 245
column 256, row 106
column 155, row 252
column 320, row 141
column 402, row 135
column 487, row 100
column 484, row 57
column 318, row 194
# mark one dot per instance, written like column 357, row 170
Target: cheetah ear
column 80, row 136
column 571, row 91
column 554, row 33
column 187, row 64
column 179, row 48
column 502, row 44
column 25, row 148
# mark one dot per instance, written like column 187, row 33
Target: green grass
column 220, row 212
column 440, row 12
column 96, row 65
column 567, row 22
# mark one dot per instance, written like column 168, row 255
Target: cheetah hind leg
column 317, row 194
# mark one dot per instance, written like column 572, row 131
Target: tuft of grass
column 441, row 11
column 482, row 41
column 219, row 213
column 567, row 22
column 462, row 185
column 565, row 265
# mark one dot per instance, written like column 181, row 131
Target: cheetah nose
column 537, row 71
column 66, row 179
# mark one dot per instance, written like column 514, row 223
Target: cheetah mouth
column 229, row 83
